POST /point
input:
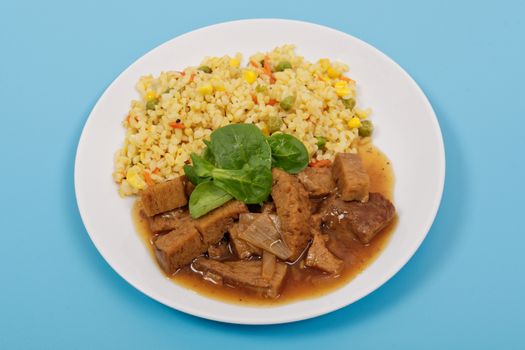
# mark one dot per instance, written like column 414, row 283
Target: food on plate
column 278, row 91
column 257, row 183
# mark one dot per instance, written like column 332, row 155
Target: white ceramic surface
column 416, row 152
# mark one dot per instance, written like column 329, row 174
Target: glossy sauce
column 300, row 283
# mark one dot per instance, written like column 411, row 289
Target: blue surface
column 463, row 289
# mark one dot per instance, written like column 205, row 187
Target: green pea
column 205, row 69
column 287, row 103
column 321, row 142
column 261, row 88
column 151, row 104
column 282, row 66
column 349, row 103
column 274, row 123
column 366, row 128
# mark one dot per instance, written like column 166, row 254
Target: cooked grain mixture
column 278, row 91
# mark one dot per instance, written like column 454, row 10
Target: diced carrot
column 254, row 99
column 176, row 125
column 268, row 69
column 324, row 163
column 347, row 79
column 191, row 78
column 156, row 171
column 272, row 102
column 253, row 63
column 148, row 179
column 183, row 73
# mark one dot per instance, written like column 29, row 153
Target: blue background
column 463, row 289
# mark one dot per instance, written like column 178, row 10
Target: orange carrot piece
column 253, row 63
column 324, row 163
column 148, row 179
column 176, row 125
column 347, row 79
column 254, row 99
column 272, row 102
column 156, row 171
column 268, row 69
column 191, row 78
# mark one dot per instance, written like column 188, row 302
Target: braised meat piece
column 364, row 220
column 352, row 179
column 320, row 257
column 219, row 251
column 318, row 182
column 193, row 237
column 188, row 187
column 169, row 220
column 178, row 248
column 216, row 223
column 293, row 209
column 163, row 197
column 247, row 274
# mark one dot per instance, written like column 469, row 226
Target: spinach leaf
column 201, row 166
column 207, row 153
column 237, row 163
column 288, row 153
column 192, row 176
column 206, row 197
column 234, row 145
column 251, row 184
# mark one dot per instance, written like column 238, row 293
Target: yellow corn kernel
column 249, row 76
column 332, row 72
column 324, row 63
column 234, row 63
column 265, row 131
column 151, row 95
column 342, row 92
column 354, row 123
column 340, row 85
column 135, row 180
column 341, row 89
column 205, row 89
column 361, row 114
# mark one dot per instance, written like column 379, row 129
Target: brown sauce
column 300, row 283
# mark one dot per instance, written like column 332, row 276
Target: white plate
column 406, row 130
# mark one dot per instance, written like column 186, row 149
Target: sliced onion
column 262, row 233
column 269, row 262
column 276, row 222
column 246, row 219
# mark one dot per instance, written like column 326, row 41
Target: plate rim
column 286, row 318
